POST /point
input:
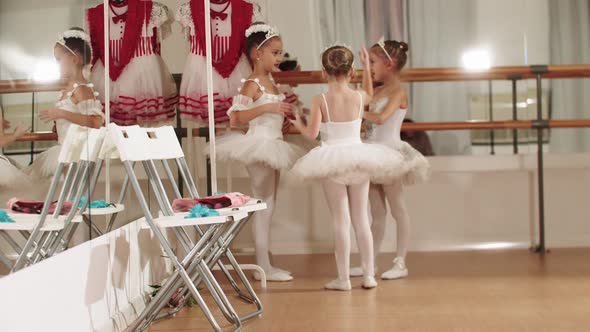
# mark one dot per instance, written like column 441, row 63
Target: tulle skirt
column 45, row 165
column 11, row 176
column 349, row 163
column 248, row 149
column 193, row 89
column 417, row 167
column 144, row 94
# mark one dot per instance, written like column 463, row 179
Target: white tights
column 264, row 182
column 394, row 195
column 349, row 203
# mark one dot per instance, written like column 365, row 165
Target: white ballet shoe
column 369, row 282
column 358, row 271
column 276, row 276
column 276, row 269
column 338, row 285
column 398, row 271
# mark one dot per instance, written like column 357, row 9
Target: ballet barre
column 408, row 75
column 408, row 127
column 451, row 74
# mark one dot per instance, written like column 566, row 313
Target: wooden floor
column 459, row 291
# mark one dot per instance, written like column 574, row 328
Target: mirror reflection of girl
column 386, row 115
column 10, row 175
column 343, row 163
column 262, row 149
column 77, row 103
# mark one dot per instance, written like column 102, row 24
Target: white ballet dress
column 45, row 164
column 416, row 165
column 342, row 156
column 10, row 175
column 263, row 143
column 143, row 91
column 229, row 21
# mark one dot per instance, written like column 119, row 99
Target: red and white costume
column 142, row 90
column 229, row 21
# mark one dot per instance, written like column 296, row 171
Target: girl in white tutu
column 78, row 103
column 262, row 149
column 386, row 115
column 343, row 163
column 10, row 175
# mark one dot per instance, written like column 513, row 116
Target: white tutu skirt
column 248, row 149
column 348, row 163
column 144, row 94
column 417, row 167
column 45, row 164
column 11, row 176
column 193, row 89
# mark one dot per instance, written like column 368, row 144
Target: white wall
column 515, row 31
column 470, row 202
column 99, row 286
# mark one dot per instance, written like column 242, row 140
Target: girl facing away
column 343, row 163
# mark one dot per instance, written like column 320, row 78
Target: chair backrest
column 94, row 143
column 139, row 144
column 131, row 142
column 163, row 143
column 73, row 144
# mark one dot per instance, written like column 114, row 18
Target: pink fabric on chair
column 183, row 204
column 35, row 207
column 212, row 202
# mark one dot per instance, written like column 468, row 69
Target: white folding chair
column 149, row 146
column 42, row 232
column 95, row 153
column 221, row 248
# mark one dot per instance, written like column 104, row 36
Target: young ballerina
column 343, row 163
column 262, row 150
column 78, row 102
column 10, row 175
column 386, row 115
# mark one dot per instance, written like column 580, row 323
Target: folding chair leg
column 120, row 201
column 225, row 251
column 171, row 178
column 5, row 261
column 74, row 183
column 63, row 195
column 28, row 245
column 214, row 288
column 13, row 244
column 188, row 180
column 196, row 266
column 174, row 282
column 92, row 226
column 166, row 247
column 252, row 294
column 84, row 183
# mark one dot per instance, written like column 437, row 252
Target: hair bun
column 403, row 46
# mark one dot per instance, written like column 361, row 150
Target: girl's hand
column 20, row 130
column 50, row 115
column 5, row 124
column 286, row 126
column 364, row 56
column 298, row 121
column 280, row 108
